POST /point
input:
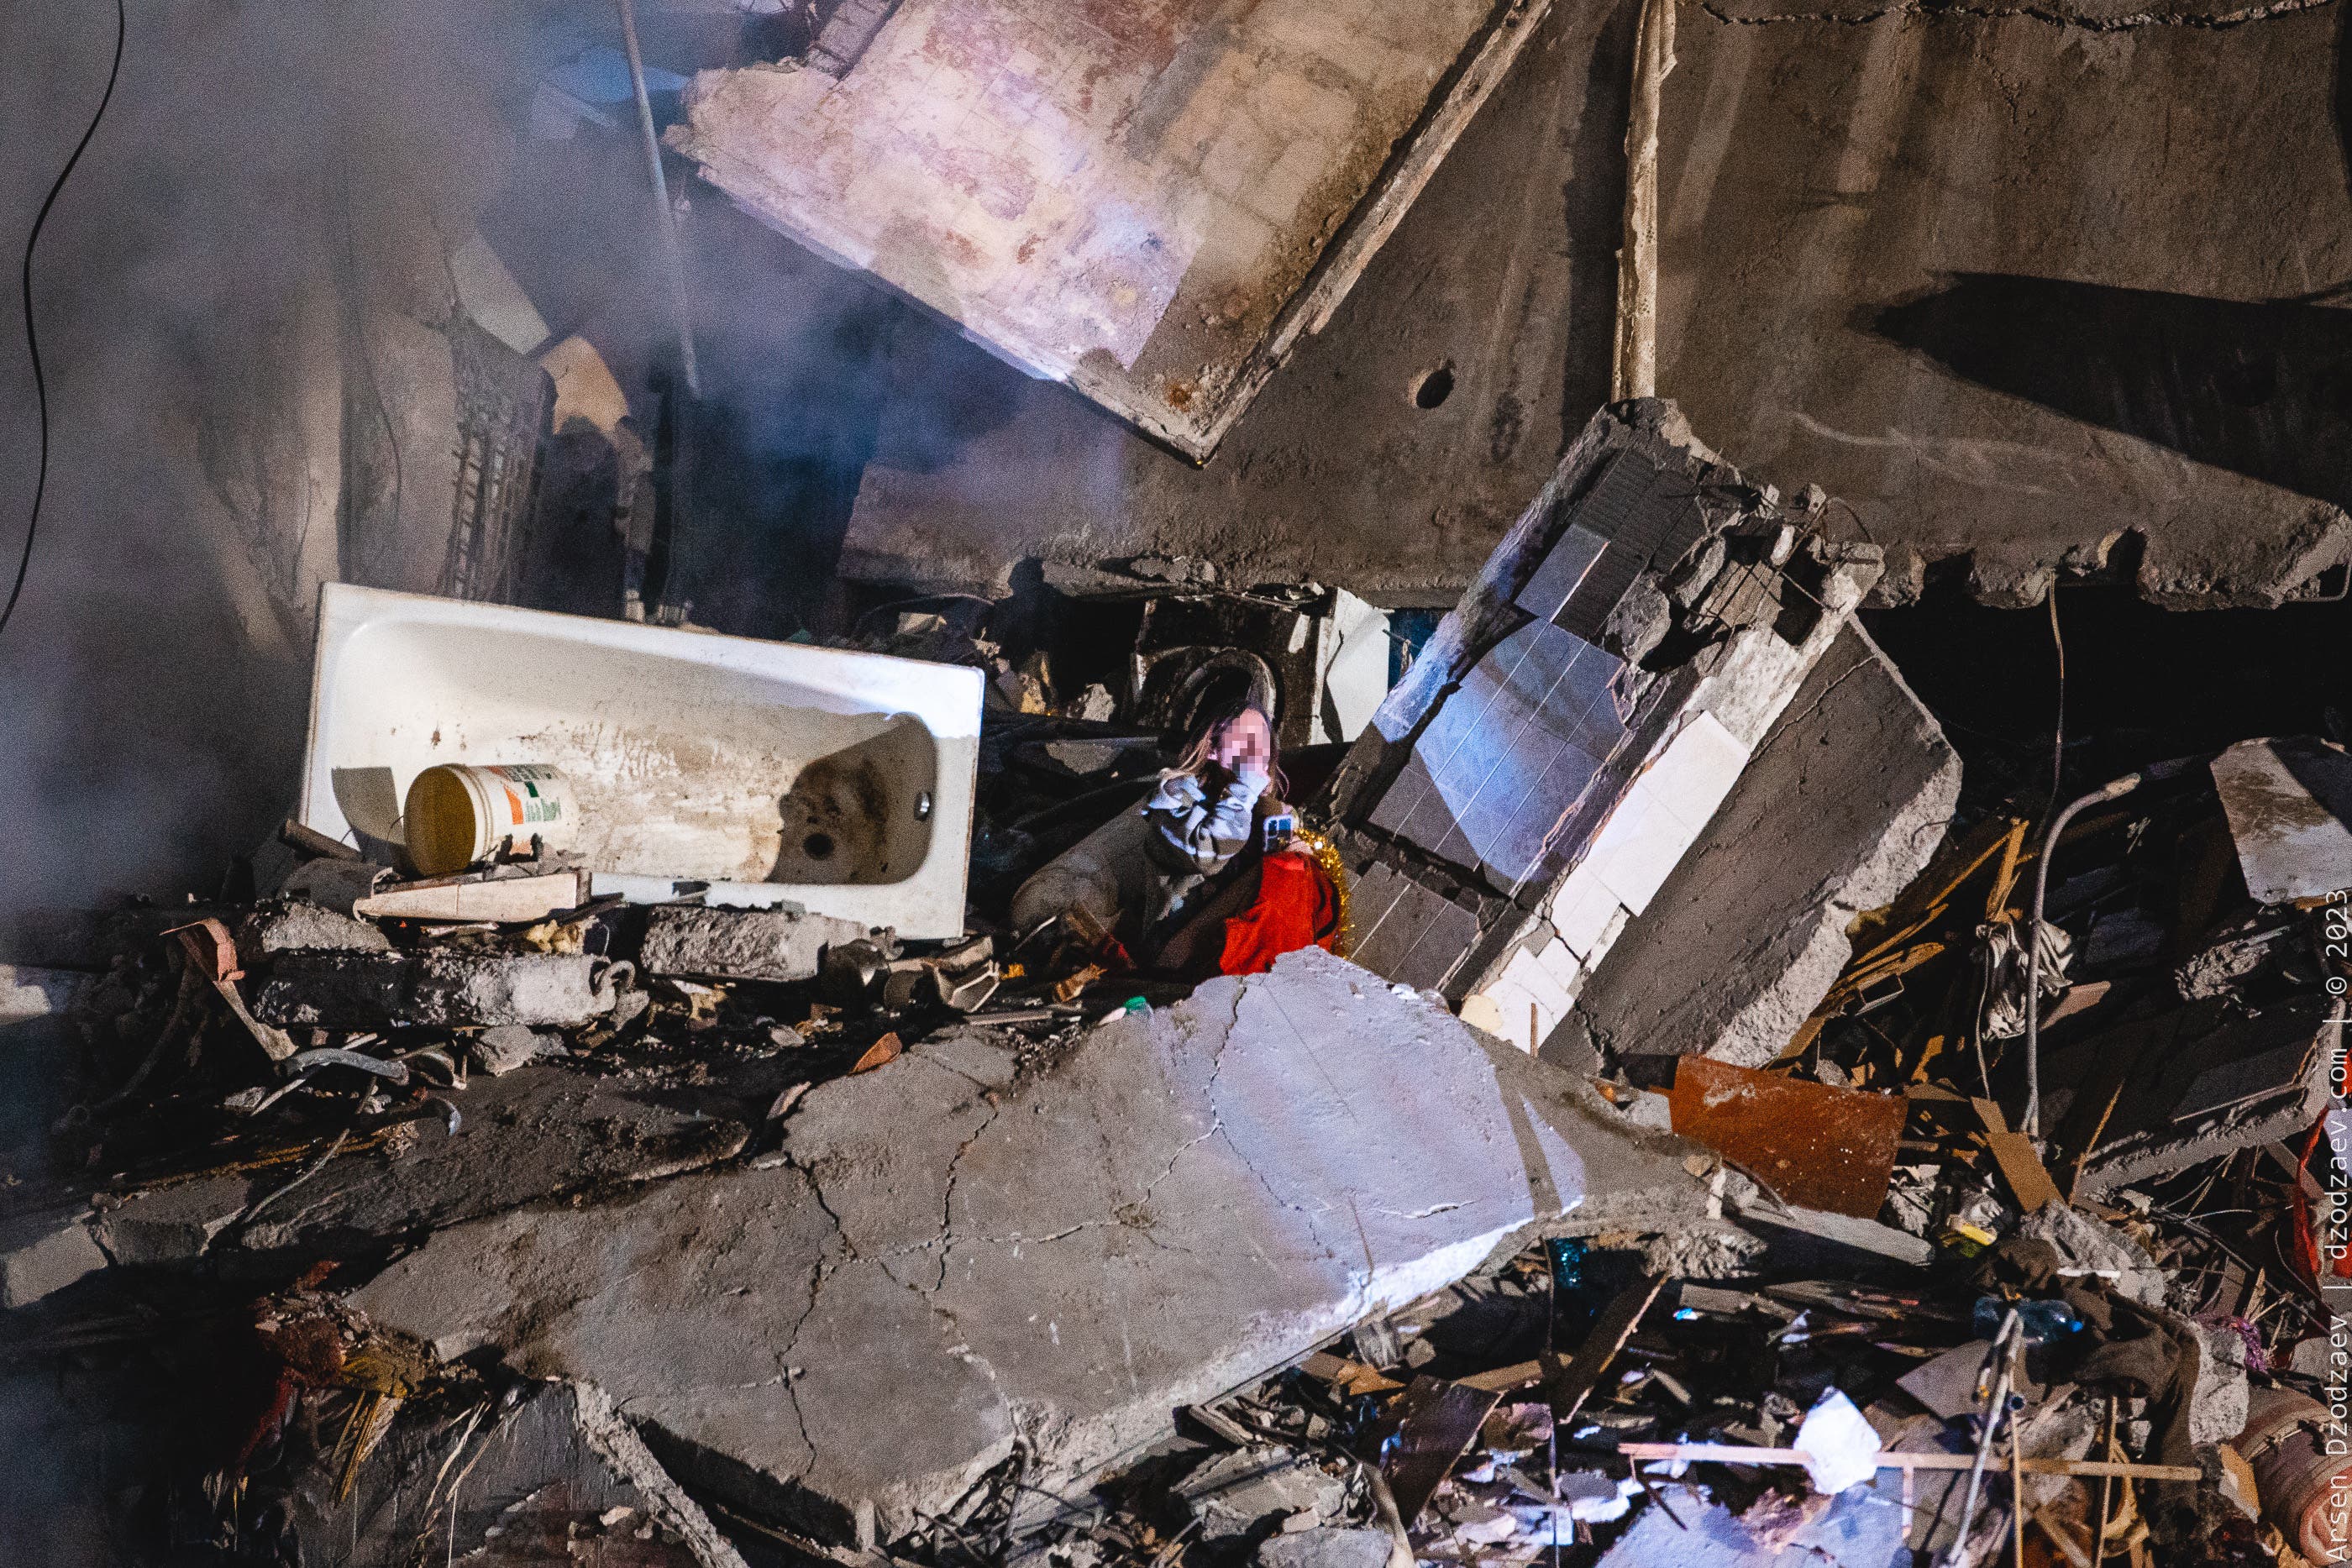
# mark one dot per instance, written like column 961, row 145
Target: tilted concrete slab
column 1570, row 729
column 1842, row 806
column 2190, row 1085
column 951, row 1262
column 1153, row 202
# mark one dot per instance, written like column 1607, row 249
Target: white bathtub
column 771, row 771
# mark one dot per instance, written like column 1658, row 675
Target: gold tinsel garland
column 1326, row 855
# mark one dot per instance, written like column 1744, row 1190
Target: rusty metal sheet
column 1815, row 1147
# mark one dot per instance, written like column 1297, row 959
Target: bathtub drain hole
column 819, row 846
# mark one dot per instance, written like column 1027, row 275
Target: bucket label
column 530, row 806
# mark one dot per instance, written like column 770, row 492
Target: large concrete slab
column 1839, row 809
column 1151, row 201
column 953, row 1261
column 1563, row 739
column 2030, row 294
column 1348, row 468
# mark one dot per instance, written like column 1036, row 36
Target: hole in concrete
column 818, row 846
column 1434, row 388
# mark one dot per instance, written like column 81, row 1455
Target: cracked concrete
column 950, row 1264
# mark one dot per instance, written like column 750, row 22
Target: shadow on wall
column 2262, row 389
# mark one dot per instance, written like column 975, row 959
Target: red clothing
column 1296, row 906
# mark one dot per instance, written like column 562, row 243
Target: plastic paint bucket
column 456, row 814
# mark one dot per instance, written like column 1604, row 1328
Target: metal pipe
column 672, row 254
column 1998, row 1366
column 2030, row 1122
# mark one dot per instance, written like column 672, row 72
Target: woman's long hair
column 1223, row 700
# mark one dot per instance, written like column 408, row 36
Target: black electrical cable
column 32, row 337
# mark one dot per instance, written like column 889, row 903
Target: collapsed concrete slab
column 2287, row 801
column 2157, row 1096
column 953, row 1262
column 1153, row 203
column 2090, row 375
column 1572, row 726
column 1844, row 804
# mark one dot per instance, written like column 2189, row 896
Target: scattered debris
column 1978, row 1204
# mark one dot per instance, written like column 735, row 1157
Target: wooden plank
column 1440, row 1420
column 1741, row 1454
column 1351, row 1377
column 2012, row 861
column 1574, row 1383
column 2296, row 1172
column 502, row 900
column 1505, row 1379
column 2021, row 1164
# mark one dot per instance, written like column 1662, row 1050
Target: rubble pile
column 1704, row 1131
column 256, row 1053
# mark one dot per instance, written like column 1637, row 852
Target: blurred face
column 1243, row 743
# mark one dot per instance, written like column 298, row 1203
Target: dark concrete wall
column 2017, row 289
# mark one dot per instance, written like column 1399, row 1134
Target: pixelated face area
column 1243, row 744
